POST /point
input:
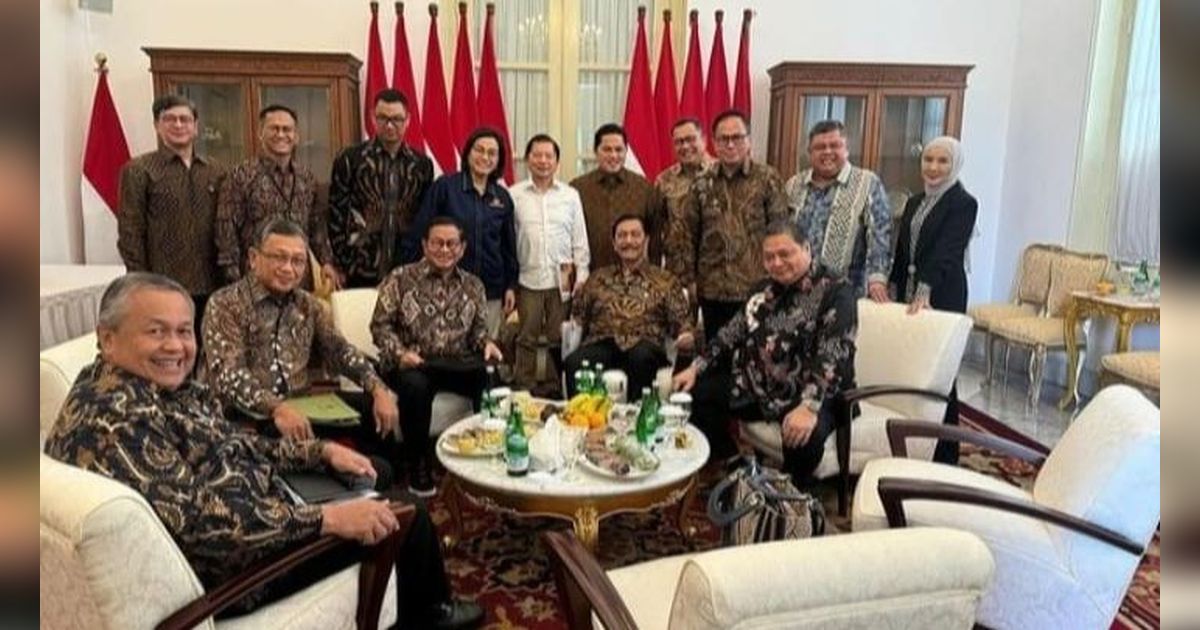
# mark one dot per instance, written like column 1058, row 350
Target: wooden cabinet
column 890, row 111
column 231, row 86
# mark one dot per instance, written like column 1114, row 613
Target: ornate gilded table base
column 584, row 513
column 1126, row 310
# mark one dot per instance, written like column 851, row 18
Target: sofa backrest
column 922, row 350
column 58, row 367
column 352, row 311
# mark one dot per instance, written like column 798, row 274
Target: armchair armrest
column 372, row 584
column 871, row 391
column 893, row 491
column 898, row 431
column 583, row 587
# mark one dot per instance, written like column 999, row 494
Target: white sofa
column 928, row 578
column 1066, row 551
column 920, row 352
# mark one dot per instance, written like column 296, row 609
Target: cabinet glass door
column 311, row 104
column 221, row 131
column 850, row 110
column 908, row 122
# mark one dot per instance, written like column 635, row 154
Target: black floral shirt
column 215, row 488
column 791, row 345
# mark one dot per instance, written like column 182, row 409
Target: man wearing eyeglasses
column 725, row 217
column 844, row 210
column 168, row 204
column 263, row 334
column 266, row 187
column 674, row 184
column 375, row 192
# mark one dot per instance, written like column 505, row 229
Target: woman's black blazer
column 941, row 248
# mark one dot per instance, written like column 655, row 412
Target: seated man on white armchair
column 784, row 358
column 135, row 416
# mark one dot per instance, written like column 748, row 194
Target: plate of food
column 618, row 457
column 475, row 441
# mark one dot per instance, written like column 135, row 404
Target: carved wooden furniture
column 890, row 111
column 1128, row 310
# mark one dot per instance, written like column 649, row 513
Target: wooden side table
column 1127, row 309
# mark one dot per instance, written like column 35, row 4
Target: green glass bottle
column 599, row 387
column 487, row 404
column 644, row 429
column 516, row 445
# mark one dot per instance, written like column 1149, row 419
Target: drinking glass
column 570, row 448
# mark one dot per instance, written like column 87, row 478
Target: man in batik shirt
column 783, row 359
column 628, row 311
column 674, row 185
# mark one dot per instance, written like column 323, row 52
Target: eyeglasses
column 685, row 140
column 488, row 153
column 437, row 243
column 394, row 121
column 733, row 138
column 180, row 119
column 279, row 258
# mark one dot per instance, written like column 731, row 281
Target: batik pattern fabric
column 628, row 306
column 605, row 197
column 432, row 313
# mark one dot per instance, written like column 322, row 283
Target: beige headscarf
column 954, row 148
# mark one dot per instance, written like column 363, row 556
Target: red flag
column 666, row 93
column 741, row 80
column 376, row 73
column 640, row 124
column 691, row 99
column 462, row 96
column 402, row 80
column 105, row 153
column 491, row 97
column 437, row 114
column 716, row 88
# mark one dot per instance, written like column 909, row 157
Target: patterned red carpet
column 500, row 561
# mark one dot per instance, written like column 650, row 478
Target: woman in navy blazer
column 929, row 270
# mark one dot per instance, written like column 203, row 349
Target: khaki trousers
column 541, row 314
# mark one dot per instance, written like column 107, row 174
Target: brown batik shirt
column 258, row 346
column 433, row 314
column 719, row 244
column 646, row 303
column 166, row 220
column 216, row 488
column 605, row 197
column 254, row 193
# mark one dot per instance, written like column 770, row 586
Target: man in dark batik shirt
column 135, row 416
column 784, row 358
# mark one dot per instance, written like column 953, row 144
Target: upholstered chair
column 1140, row 369
column 1066, row 549
column 922, row 578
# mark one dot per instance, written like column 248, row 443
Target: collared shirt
column 373, row 199
column 257, row 191
column 719, row 247
column 433, row 314
column 673, row 186
column 551, row 230
column 605, row 197
column 628, row 306
column 165, row 223
column 791, row 344
column 215, row 487
column 258, row 347
column 812, row 208
column 489, row 231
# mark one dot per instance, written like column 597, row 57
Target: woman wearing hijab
column 929, row 268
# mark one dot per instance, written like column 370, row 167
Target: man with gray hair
column 135, row 416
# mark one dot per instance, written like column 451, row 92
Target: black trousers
column 713, row 407
column 716, row 315
column 640, row 363
column 946, row 451
column 421, row 574
column 415, row 389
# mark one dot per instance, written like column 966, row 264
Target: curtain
column 606, row 30
column 1135, row 233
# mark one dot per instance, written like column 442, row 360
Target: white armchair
column 930, row 578
column 1066, row 551
column 904, row 366
column 352, row 311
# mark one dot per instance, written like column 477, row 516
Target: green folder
column 326, row 410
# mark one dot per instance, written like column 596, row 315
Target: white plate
column 633, row 474
column 447, row 445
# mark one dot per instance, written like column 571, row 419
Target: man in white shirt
column 552, row 252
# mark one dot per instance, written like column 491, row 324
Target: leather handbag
column 759, row 504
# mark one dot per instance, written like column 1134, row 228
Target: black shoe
column 420, row 480
column 457, row 614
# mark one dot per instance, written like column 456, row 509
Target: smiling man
column 783, row 358
column 136, row 417
column 675, row 183
column 272, row 185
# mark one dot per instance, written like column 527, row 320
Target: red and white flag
column 741, row 79
column 376, row 73
column 716, row 88
column 666, row 94
column 691, row 97
column 402, row 80
column 640, row 123
column 491, row 97
column 436, row 124
column 462, row 97
column 104, row 154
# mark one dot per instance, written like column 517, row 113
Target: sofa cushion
column 986, row 316
column 1140, row 367
column 58, row 368
column 329, row 604
column 1072, row 272
column 646, row 588
column 1033, row 331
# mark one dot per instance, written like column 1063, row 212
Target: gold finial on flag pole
column 101, row 62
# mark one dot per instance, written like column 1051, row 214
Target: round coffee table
column 583, row 500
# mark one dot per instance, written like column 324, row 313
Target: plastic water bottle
column 487, row 404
